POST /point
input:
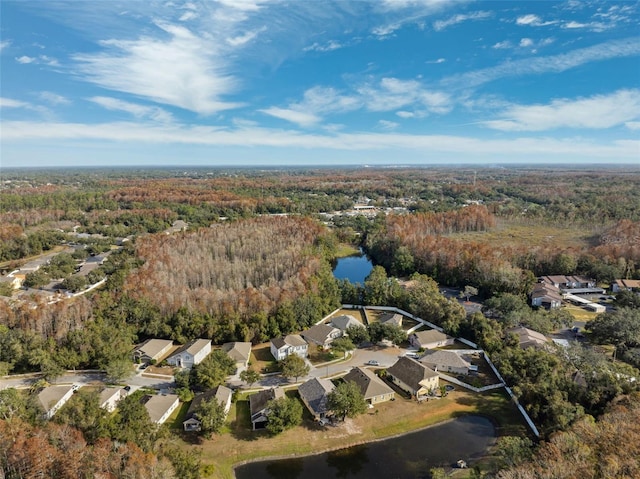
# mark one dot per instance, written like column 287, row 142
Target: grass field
column 387, row 419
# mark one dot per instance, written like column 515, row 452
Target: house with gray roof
column 222, row 394
column 528, row 338
column 109, row 397
column 430, row 339
column 290, row 344
column 190, row 354
column 321, row 335
column 345, row 321
column 546, row 295
column 160, row 406
column 52, row 398
column 371, row 386
column 240, row 352
column 314, row 395
column 446, row 361
column 413, row 377
column 391, row 318
column 258, row 406
column 152, row 350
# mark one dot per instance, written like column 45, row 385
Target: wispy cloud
column 25, row 60
column 548, row 64
column 179, row 71
column 438, row 60
column 40, row 59
column 596, row 112
column 54, row 98
column 326, row 47
column 388, row 125
column 4, row 44
column 11, row 103
column 139, row 111
column 460, row 18
column 533, row 21
column 245, row 37
column 293, row 116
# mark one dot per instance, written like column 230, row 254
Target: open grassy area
column 262, row 359
column 345, row 250
column 580, row 314
column 385, row 420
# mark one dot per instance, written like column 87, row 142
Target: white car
column 373, row 362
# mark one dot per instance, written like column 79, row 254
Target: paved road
column 86, row 378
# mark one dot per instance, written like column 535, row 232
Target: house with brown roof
column 430, row 339
column 345, row 321
column 446, row 361
column 625, row 284
column 258, row 403
column 546, row 295
column 321, row 335
column 413, row 377
column 314, row 394
column 291, row 344
column 52, row 398
column 240, row 352
column 527, row 338
column 152, row 350
column 160, row 406
column 190, row 354
column 222, row 394
column 371, row 386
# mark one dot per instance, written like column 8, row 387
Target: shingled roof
column 314, row 394
column 370, row 385
column 411, row 372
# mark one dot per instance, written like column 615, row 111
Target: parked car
column 373, row 362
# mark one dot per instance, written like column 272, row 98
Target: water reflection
column 348, row 462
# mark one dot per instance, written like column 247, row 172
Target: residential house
column 372, row 387
column 258, row 406
column 430, row 339
column 413, row 377
column 152, row 350
column 345, row 321
column 240, row 352
column 314, row 395
column 391, row 318
column 446, row 361
column 190, row 354
column 572, row 284
column 109, row 397
column 528, row 338
column 290, row 344
column 161, row 406
column 625, row 284
column 52, row 398
column 546, row 295
column 321, row 335
column 220, row 393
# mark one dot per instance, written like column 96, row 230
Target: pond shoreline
column 369, row 441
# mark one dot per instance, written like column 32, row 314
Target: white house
column 161, row 406
column 446, row 361
column 321, row 335
column 190, row 354
column 52, row 398
column 290, row 344
column 109, row 398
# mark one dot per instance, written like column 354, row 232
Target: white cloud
column 189, row 15
column 298, row 117
column 392, row 94
column 548, row 64
column 388, row 125
column 437, row 61
column 411, row 114
column 54, row 98
column 633, row 125
column 139, row 111
column 440, row 25
column 4, row 44
column 532, row 20
column 526, row 42
column 245, row 38
column 179, row 71
column 327, row 47
column 502, row 45
column 25, row 60
column 596, row 112
column 473, row 149
column 10, row 103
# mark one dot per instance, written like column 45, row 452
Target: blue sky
column 310, row 82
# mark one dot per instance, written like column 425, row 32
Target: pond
column 354, row 268
column 408, row 456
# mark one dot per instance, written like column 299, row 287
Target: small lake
column 409, row 456
column 354, row 268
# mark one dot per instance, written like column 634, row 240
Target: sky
column 318, row 82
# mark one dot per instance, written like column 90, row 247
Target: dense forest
column 253, row 261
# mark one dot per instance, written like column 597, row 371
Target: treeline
column 606, row 448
